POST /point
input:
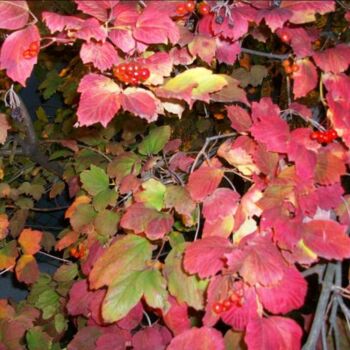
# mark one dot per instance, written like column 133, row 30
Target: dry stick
column 321, row 308
column 281, row 57
column 6, row 270
column 55, row 257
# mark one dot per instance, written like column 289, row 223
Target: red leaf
column 123, row 39
column 335, row 60
column 142, row 103
column 151, row 338
column 154, row 27
column 300, row 41
column 132, row 319
column 95, row 251
column 268, row 127
column 27, row 269
column 176, row 319
column 85, row 338
column 17, row 67
column 102, row 55
column 99, row 101
column 180, row 161
column 203, row 182
column 221, row 227
column 13, row 15
column 203, row 47
column 92, row 29
column 273, row 333
column 30, row 241
column 274, row 18
column 160, row 65
column 239, row 117
column 305, row 79
column 98, row 9
column 58, row 23
column 112, row 341
column 79, row 299
column 328, row 239
column 206, row 256
column 287, row 295
column 198, row 339
column 227, row 51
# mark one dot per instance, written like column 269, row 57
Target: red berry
column 27, row 54
column 315, row 135
column 123, row 67
column 288, row 70
column 227, row 304
column 217, row 308
column 181, row 9
column 322, row 138
column 190, row 6
column 34, row 46
column 285, row 38
column 33, row 53
column 203, row 8
column 295, row 68
column 333, row 134
column 234, row 298
column 134, row 81
column 144, row 74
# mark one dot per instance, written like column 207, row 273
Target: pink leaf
column 198, row 339
column 327, row 239
column 123, row 39
column 98, row 9
column 287, row 295
column 268, row 127
column 133, row 318
column 226, row 51
column 181, row 161
column 79, row 299
column 160, row 65
column 335, row 60
column 222, row 202
column 273, row 333
column 141, row 103
column 305, row 79
column 206, row 256
column 95, row 251
column 203, row 47
column 177, row 319
column 13, row 15
column 92, row 29
column 112, row 341
column 154, row 27
column 300, row 40
column 12, row 54
column 102, row 55
column 58, row 23
column 203, row 182
column 239, row 117
column 274, row 18
column 151, row 338
column 181, row 56
column 99, row 101
column 221, row 227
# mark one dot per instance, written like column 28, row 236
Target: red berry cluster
column 235, row 299
column 324, row 136
column 32, row 50
column 185, row 8
column 203, row 8
column 131, row 73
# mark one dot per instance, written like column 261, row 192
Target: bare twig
column 6, row 270
column 55, row 257
column 198, row 222
column 280, row 57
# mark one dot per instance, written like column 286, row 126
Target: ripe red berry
column 315, row 135
column 144, row 74
column 322, row 137
column 295, row 68
column 333, row 134
column 288, row 70
column 285, row 38
column 234, row 298
column 190, row 6
column 203, row 8
column 286, row 63
column 217, row 308
column 27, row 54
column 227, row 304
column 34, row 46
column 181, row 9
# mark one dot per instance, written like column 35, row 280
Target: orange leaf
column 68, row 239
column 27, row 269
column 4, row 223
column 30, row 241
column 79, row 200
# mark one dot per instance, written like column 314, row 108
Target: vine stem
column 55, row 257
column 275, row 56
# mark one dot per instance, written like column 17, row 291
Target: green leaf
column 125, row 164
column 48, row 303
column 152, row 195
column 41, row 114
column 106, row 223
column 8, row 255
column 253, row 77
column 176, row 238
column 186, row 288
column 83, row 215
column 94, row 180
column 121, row 297
column 61, row 323
column 123, row 257
column 104, row 199
column 66, row 272
column 50, row 84
column 38, row 340
column 153, row 285
column 155, row 141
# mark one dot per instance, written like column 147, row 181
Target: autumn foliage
column 205, row 148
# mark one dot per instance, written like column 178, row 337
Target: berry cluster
column 185, row 8
column 324, row 136
column 203, row 8
column 78, row 252
column 32, row 50
column 234, row 299
column 290, row 67
column 131, row 73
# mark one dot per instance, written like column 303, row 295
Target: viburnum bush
column 202, row 151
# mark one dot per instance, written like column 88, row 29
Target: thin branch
column 41, row 210
column 55, row 257
column 198, row 222
column 275, row 56
column 321, row 308
column 319, row 269
column 147, row 318
column 6, row 270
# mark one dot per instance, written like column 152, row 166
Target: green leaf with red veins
column 141, row 103
column 8, row 255
column 155, row 141
column 185, row 288
column 206, row 256
column 203, row 182
column 305, row 79
column 335, row 59
column 103, row 56
column 123, row 165
column 203, row 47
column 99, row 101
column 14, row 15
column 177, row 197
column 152, row 195
column 327, row 239
column 273, row 333
column 124, row 256
column 198, row 339
column 17, row 67
column 193, row 84
column 27, row 270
